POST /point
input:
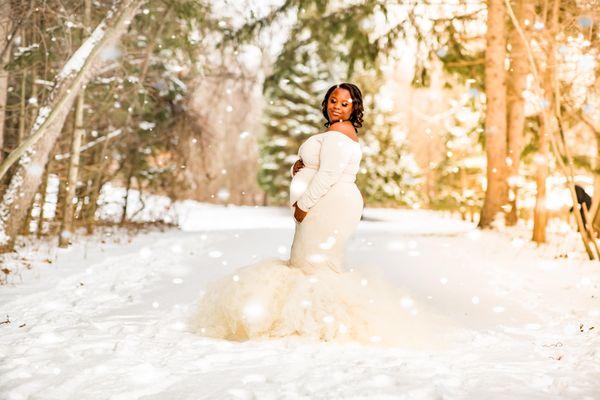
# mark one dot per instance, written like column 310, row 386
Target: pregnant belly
column 300, row 183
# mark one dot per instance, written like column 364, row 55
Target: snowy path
column 107, row 320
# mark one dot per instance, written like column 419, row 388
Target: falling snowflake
column 215, row 254
column 253, row 311
column 147, row 125
column 328, row 244
column 407, row 302
column 223, row 194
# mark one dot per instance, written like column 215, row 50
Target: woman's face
column 339, row 105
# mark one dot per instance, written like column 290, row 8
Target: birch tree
column 32, row 154
column 5, row 42
column 66, row 227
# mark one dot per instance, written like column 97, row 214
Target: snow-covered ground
column 106, row 319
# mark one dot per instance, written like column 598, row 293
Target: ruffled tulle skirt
column 270, row 299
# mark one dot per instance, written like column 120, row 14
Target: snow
column 147, row 125
column 44, row 82
column 42, row 115
column 7, row 202
column 106, row 318
column 79, row 58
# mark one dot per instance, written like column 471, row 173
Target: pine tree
column 292, row 115
column 458, row 185
column 389, row 175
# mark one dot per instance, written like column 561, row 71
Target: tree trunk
column 495, row 115
column 66, row 226
column 547, row 128
column 540, row 212
column 22, row 107
column 34, row 151
column 23, row 122
column 517, row 82
column 43, row 192
column 89, row 212
column 126, row 198
column 5, row 28
column 463, row 185
column 596, row 194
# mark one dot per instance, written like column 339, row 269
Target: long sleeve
column 333, row 158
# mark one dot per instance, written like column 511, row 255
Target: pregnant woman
column 327, row 204
column 312, row 294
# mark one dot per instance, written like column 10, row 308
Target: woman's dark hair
column 357, row 104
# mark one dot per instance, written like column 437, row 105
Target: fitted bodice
column 328, row 158
column 310, row 153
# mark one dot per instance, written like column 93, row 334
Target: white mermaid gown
column 310, row 295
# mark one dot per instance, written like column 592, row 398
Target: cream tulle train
column 270, row 300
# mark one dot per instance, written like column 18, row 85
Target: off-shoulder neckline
column 343, row 134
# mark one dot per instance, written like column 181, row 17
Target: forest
column 489, row 110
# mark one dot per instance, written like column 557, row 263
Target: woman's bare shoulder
column 345, row 128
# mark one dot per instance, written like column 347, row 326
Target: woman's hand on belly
column 298, row 165
column 299, row 214
column 300, row 183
